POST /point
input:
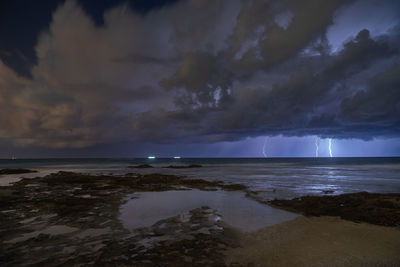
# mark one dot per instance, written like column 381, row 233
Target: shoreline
column 73, row 219
column 317, row 241
column 77, row 216
column 357, row 229
column 373, row 208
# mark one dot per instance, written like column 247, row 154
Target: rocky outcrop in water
column 142, row 166
column 183, row 166
column 380, row 209
column 15, row 171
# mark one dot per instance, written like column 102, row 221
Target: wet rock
column 15, row 171
column 183, row 166
column 176, row 242
column 328, row 191
column 380, row 209
column 68, row 205
column 89, row 204
column 142, row 166
column 6, row 192
column 138, row 182
column 234, row 187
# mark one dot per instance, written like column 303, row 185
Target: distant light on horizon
column 151, row 157
column 177, row 157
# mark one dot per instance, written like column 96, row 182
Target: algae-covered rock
column 380, row 209
column 142, row 166
column 183, row 166
column 15, row 171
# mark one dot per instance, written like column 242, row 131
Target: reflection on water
column 236, row 210
column 272, row 177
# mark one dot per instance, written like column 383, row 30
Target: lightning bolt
column 263, row 149
column 316, row 147
column 330, row 147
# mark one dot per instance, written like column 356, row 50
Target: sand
column 318, row 241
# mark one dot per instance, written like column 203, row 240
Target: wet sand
column 318, row 241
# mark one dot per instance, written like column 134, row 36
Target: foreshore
column 70, row 218
column 364, row 232
column 318, row 241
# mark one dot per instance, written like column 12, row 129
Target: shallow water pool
column 236, row 210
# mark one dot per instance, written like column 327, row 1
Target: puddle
column 236, row 210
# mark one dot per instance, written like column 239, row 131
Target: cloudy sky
column 199, row 78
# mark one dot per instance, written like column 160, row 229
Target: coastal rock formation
column 70, row 218
column 380, row 209
column 15, row 171
column 183, row 166
column 142, row 166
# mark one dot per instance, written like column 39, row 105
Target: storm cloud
column 204, row 71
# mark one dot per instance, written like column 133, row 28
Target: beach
column 191, row 214
column 186, row 133
column 318, row 241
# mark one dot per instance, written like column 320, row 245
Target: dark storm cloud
column 312, row 100
column 141, row 59
column 377, row 107
column 202, row 71
column 276, row 43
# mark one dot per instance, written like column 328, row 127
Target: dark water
column 271, row 177
column 44, row 163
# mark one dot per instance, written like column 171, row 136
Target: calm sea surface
column 271, row 177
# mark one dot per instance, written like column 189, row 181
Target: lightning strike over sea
column 263, row 149
column 108, row 109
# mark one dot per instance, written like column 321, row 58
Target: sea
column 271, row 178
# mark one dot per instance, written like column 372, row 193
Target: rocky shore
column 15, row 171
column 379, row 209
column 191, row 166
column 70, row 218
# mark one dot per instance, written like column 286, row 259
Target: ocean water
column 271, row 177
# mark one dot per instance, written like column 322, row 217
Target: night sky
column 199, row 78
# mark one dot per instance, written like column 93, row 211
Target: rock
column 234, row 187
column 142, row 166
column 380, row 209
column 15, row 171
column 61, row 198
column 183, row 166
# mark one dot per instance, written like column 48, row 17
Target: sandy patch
column 319, row 241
